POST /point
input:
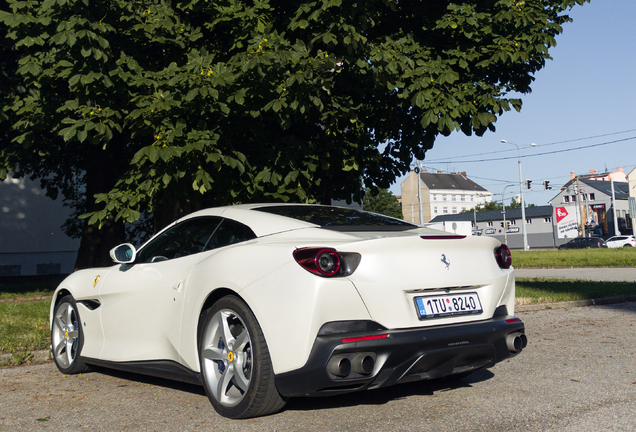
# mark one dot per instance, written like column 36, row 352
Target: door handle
column 177, row 285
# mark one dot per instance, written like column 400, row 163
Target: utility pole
column 419, row 192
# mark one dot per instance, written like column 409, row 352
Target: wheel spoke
column 59, row 324
column 222, row 385
column 69, row 351
column 213, row 353
column 68, row 312
column 241, row 380
column 225, row 328
column 59, row 347
column 241, row 341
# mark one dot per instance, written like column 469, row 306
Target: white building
column 440, row 194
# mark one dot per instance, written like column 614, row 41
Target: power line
column 540, row 154
column 540, row 145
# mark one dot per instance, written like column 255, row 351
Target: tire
column 67, row 337
column 236, row 369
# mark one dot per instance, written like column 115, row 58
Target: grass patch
column 541, row 290
column 619, row 257
column 24, row 326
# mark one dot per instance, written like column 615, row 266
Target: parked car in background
column 621, row 241
column 259, row 303
column 584, row 243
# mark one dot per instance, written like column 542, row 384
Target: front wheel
column 235, row 365
column 67, row 337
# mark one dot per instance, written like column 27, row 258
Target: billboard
column 567, row 221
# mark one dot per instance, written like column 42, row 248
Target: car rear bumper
column 403, row 356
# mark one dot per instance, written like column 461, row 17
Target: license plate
column 448, row 305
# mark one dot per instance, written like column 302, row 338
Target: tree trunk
column 96, row 243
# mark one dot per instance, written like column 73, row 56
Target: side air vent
column 90, row 304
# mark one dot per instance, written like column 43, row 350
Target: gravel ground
column 578, row 373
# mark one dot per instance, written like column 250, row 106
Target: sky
column 584, row 97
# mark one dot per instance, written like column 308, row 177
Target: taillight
column 326, row 261
column 503, row 256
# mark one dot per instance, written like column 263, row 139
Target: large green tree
column 383, row 202
column 163, row 107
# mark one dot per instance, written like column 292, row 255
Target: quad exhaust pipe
column 516, row 342
column 343, row 365
column 339, row 366
column 362, row 363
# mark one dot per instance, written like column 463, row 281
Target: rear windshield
column 339, row 218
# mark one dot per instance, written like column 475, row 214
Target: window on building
column 445, row 210
column 454, row 198
column 490, row 224
column 573, row 198
column 435, row 210
column 463, row 197
column 454, row 209
column 48, row 268
column 592, row 197
column 434, row 197
column 547, row 220
column 10, row 270
column 512, row 222
column 529, row 221
column 566, row 199
column 472, row 198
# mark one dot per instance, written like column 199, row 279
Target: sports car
column 262, row 302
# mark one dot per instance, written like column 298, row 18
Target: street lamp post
column 523, row 204
column 503, row 202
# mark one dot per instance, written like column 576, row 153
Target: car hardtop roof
column 262, row 222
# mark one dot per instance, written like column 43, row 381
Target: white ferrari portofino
column 259, row 303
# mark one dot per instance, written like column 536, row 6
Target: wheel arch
column 214, row 296
column 59, row 294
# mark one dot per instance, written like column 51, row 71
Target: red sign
column 561, row 213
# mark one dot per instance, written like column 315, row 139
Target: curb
column 44, row 355
column 575, row 303
column 35, row 356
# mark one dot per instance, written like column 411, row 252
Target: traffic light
column 528, row 183
column 546, row 185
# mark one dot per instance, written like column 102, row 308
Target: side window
column 230, row 232
column 186, row 238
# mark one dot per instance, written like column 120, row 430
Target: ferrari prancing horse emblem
column 446, row 261
column 95, row 281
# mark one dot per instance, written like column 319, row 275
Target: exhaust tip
column 339, row 366
column 363, row 363
column 516, row 342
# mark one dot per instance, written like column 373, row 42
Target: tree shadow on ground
column 388, row 394
column 370, row 397
column 147, row 379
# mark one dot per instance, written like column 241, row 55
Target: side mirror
column 124, row 253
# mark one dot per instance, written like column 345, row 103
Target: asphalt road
column 578, row 373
